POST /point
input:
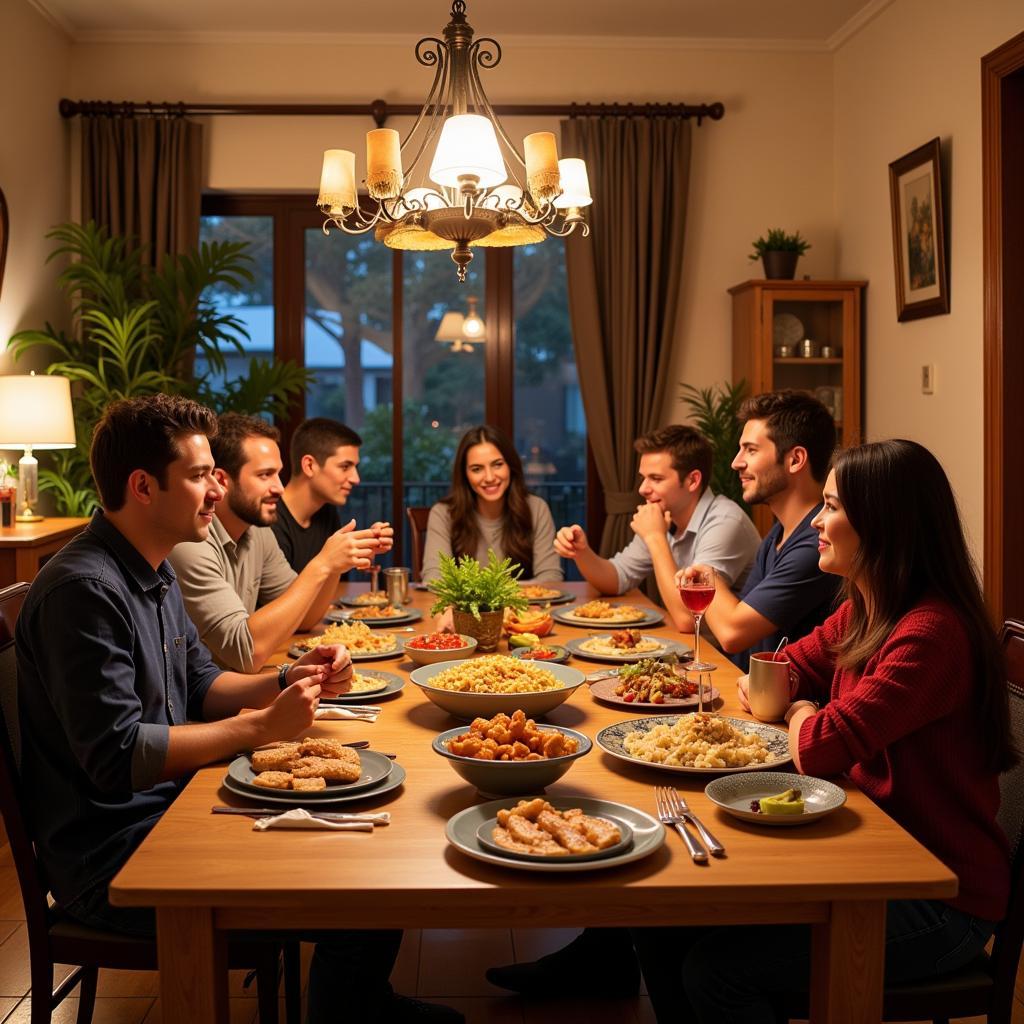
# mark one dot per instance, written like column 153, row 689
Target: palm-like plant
column 138, row 332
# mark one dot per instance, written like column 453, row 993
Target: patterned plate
column 664, row 647
column 409, row 615
column 735, row 793
column 288, row 798
column 375, row 768
column 648, row 834
column 612, row 741
column 649, row 617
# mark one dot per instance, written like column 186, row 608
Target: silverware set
column 674, row 810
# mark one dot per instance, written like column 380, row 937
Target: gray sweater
column 547, row 568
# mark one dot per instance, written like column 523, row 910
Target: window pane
column 348, row 345
column 252, row 304
column 443, row 385
column 549, row 424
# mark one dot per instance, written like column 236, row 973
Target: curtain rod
column 381, row 110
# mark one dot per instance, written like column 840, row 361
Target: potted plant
column 478, row 595
column 779, row 253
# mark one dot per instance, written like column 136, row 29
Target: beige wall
column 768, row 163
column 911, row 75
column 34, row 74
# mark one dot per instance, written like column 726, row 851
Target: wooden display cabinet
column 769, row 314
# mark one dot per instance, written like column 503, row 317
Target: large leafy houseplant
column 137, row 332
column 715, row 413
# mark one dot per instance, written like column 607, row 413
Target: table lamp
column 462, row 331
column 35, row 412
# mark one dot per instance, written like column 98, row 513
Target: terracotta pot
column 486, row 630
column 780, row 265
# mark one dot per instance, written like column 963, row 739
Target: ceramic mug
column 768, row 686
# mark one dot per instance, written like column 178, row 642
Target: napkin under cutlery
column 374, row 817
column 335, row 713
column 300, row 818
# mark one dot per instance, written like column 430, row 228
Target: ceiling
column 801, row 23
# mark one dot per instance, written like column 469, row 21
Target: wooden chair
column 983, row 988
column 417, row 516
column 55, row 938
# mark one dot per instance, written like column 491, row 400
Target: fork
column 682, row 808
column 668, row 817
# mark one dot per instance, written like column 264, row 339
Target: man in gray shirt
column 680, row 519
column 242, row 595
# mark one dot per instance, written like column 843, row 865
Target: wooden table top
column 407, row 874
column 50, row 528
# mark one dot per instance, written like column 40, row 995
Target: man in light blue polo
column 681, row 522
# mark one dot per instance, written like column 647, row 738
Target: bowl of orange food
column 510, row 755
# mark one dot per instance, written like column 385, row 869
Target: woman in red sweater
column 912, row 683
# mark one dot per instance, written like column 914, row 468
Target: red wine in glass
column 697, row 593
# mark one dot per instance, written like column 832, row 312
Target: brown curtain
column 623, row 286
column 142, row 176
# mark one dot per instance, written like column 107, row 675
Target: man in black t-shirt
column 324, row 468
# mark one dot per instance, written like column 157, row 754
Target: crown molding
column 859, row 21
column 55, row 19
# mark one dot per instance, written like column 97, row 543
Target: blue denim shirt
column 107, row 662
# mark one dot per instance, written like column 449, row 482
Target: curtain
column 623, row 284
column 142, row 176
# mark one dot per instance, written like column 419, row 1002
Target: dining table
column 207, row 874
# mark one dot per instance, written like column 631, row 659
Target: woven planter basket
column 486, row 630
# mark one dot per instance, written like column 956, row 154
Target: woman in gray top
column 490, row 507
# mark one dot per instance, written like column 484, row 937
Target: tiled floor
column 443, row 966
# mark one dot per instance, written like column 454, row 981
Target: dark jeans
column 729, row 975
column 347, row 964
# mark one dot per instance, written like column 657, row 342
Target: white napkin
column 350, row 714
column 299, row 817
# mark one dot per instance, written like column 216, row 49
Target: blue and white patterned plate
column 612, row 740
column 735, row 793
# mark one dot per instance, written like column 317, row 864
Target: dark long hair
column 516, row 521
column 899, row 501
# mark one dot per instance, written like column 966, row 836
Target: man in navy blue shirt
column 119, row 701
column 785, row 450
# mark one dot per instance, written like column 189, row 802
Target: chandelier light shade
column 456, row 181
column 35, row 412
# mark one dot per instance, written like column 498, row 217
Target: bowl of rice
column 481, row 687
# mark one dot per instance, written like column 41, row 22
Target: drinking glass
column 697, row 593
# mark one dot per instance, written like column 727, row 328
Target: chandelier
column 483, row 192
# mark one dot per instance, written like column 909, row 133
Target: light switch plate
column 928, row 380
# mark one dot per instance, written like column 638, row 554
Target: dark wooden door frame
column 1002, row 90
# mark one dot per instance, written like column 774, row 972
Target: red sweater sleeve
column 812, row 657
column 920, row 674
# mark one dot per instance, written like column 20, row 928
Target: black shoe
column 583, row 968
column 403, row 1010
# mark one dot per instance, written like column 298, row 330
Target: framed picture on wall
column 918, row 233
column 3, row 237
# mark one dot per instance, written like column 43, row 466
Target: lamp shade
column 450, row 328
column 35, row 412
column 575, row 184
column 338, row 182
column 468, row 146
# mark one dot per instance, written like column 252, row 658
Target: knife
column 380, row 818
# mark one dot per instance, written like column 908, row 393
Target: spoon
column 782, row 643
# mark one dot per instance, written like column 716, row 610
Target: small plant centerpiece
column 478, row 595
column 779, row 253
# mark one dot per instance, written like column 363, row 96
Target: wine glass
column 697, row 592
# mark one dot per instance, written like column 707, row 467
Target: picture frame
column 919, row 233
column 4, row 231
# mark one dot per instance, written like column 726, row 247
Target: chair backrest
column 30, row 876
column 417, row 516
column 1010, row 933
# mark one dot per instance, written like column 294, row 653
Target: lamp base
column 29, row 517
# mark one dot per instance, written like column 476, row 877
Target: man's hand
column 385, row 535
column 742, row 688
column 333, row 662
column 349, row 548
column 293, row 709
column 650, row 520
column 690, row 572
column 571, row 541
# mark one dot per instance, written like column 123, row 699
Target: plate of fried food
column 602, row 613
column 558, row 835
column 538, row 593
column 362, row 642
column 366, row 685
column 624, row 645
column 368, row 597
column 311, row 769
column 650, row 685
column 696, row 744
column 378, row 616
